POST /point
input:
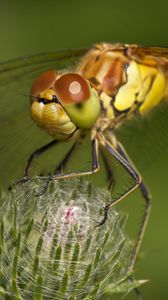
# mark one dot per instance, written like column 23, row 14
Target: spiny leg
column 124, row 160
column 66, row 158
column 145, row 193
column 127, row 166
column 109, row 171
column 137, row 178
column 35, row 154
column 95, row 167
column 60, row 167
column 147, row 197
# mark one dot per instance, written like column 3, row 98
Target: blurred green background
column 29, row 27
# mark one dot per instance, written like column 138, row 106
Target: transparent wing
column 19, row 136
column 145, row 137
column 149, row 55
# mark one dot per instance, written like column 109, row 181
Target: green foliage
column 50, row 247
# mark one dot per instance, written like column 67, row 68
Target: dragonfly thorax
column 124, row 85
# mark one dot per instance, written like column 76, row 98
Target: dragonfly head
column 62, row 103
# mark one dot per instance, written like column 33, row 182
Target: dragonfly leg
column 35, row 154
column 60, row 167
column 58, row 170
column 147, row 197
column 120, row 155
column 109, row 171
column 95, row 165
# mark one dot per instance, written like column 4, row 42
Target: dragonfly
column 115, row 93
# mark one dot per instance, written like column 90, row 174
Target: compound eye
column 43, row 82
column 72, row 88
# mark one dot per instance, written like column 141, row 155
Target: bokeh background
column 29, row 27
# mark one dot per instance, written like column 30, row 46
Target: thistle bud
column 52, row 248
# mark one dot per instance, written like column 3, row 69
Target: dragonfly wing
column 149, row 55
column 19, row 136
column 145, row 137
